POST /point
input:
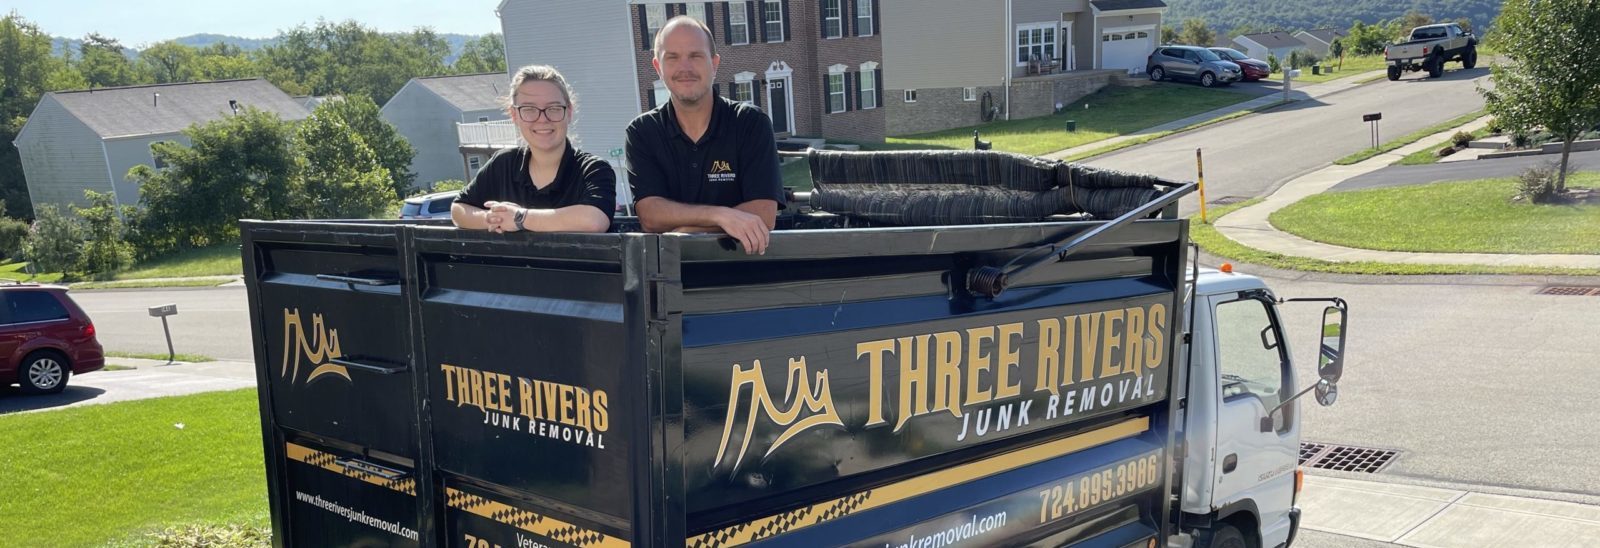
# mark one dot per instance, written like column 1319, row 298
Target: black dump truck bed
column 422, row 385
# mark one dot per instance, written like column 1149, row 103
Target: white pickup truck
column 1429, row 48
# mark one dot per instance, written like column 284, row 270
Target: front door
column 1254, row 376
column 778, row 97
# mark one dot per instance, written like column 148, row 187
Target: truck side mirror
column 1330, row 362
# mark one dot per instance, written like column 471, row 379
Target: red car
column 1254, row 69
column 45, row 338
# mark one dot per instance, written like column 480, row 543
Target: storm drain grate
column 1226, row 200
column 1571, row 290
column 1345, row 458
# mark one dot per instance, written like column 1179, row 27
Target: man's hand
column 500, row 216
column 749, row 229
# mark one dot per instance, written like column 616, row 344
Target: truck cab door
column 1252, row 468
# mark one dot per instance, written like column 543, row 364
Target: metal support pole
column 171, row 355
column 1200, row 175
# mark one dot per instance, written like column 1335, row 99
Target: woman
column 546, row 185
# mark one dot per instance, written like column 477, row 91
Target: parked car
column 1252, row 69
column 429, row 206
column 1429, row 48
column 45, row 338
column 1191, row 63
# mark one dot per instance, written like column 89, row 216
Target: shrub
column 1538, row 183
column 107, row 249
column 1446, row 151
column 55, row 242
column 208, row 536
column 1520, row 139
column 449, row 184
column 12, row 233
column 1461, row 138
column 1272, row 63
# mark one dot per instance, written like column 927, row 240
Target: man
column 702, row 163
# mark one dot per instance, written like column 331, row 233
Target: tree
column 103, row 63
column 485, row 54
column 26, row 72
column 388, row 147
column 350, row 59
column 107, row 249
column 1364, row 39
column 339, row 176
column 1169, row 35
column 1273, row 65
column 1337, row 49
column 1403, row 25
column 1464, row 23
column 1195, row 33
column 55, row 243
column 169, row 62
column 234, row 168
column 1550, row 80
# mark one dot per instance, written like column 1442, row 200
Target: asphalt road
column 1476, row 381
column 1465, row 170
column 212, row 322
column 1253, row 155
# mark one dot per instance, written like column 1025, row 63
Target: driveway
column 1465, row 170
column 1251, row 156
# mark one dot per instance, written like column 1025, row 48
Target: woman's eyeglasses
column 553, row 113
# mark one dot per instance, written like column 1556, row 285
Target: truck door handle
column 356, row 280
column 381, row 370
column 1230, row 462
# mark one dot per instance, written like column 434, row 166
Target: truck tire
column 1224, row 536
column 1394, row 72
column 1470, row 58
column 1435, row 66
column 44, row 372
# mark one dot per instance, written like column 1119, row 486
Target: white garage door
column 1126, row 49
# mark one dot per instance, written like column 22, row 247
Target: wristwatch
column 522, row 213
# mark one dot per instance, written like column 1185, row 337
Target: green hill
column 1267, row 15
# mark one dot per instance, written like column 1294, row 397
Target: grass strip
column 1431, row 154
column 1412, row 137
column 188, row 358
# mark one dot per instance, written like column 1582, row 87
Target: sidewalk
column 1298, row 94
column 1249, row 226
column 1432, row 517
column 147, row 379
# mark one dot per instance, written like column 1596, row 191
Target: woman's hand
column 500, row 216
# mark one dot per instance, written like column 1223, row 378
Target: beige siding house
column 427, row 112
column 88, row 140
column 959, row 63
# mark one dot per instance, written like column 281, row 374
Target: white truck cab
column 1239, row 475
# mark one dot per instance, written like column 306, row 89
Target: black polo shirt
column 734, row 162
column 581, row 179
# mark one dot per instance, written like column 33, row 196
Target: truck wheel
column 1394, row 72
column 1208, row 79
column 1470, row 59
column 1435, row 66
column 1224, row 536
column 43, row 372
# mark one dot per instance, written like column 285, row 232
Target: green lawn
column 1454, row 217
column 1214, row 243
column 1431, row 155
column 1409, row 138
column 189, row 358
column 217, row 260
column 106, row 473
column 1353, row 65
column 1113, row 111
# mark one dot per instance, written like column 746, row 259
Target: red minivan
column 45, row 338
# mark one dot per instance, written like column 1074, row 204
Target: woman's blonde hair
column 540, row 73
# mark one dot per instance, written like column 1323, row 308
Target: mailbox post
column 1374, row 117
column 162, row 312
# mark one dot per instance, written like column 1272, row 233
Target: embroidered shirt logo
column 721, row 172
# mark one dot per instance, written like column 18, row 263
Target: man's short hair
column 685, row 20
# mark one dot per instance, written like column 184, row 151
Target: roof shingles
column 136, row 110
column 1275, row 40
column 469, row 92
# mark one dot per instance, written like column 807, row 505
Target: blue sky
column 140, row 22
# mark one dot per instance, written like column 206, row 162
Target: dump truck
column 1073, row 380
column 1429, row 48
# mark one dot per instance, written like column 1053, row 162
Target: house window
column 911, row 96
column 869, row 87
column 655, row 15
column 864, row 17
column 774, row 19
column 1036, row 41
column 155, row 159
column 832, row 19
column 744, row 92
column 696, row 10
column 738, row 23
column 483, row 118
column 969, row 94
column 836, row 92
column 473, row 163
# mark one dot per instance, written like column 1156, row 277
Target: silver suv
column 429, row 206
column 1191, row 63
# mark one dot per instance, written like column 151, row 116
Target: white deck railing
column 496, row 134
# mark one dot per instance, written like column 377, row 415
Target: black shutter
column 875, row 12
column 644, row 28
column 757, row 89
column 787, row 36
column 727, row 21
column 846, row 17
column 756, row 18
column 650, row 98
column 851, row 85
column 877, row 79
column 827, row 98
column 716, row 90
